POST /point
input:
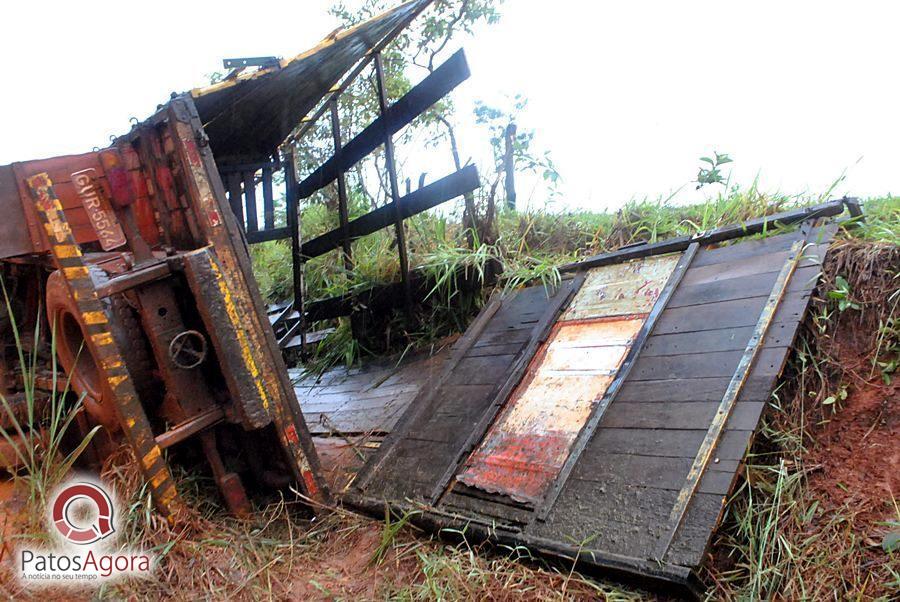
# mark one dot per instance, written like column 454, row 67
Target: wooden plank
column 438, row 83
column 742, row 287
column 445, row 189
column 690, row 389
column 749, row 248
column 268, row 199
column 668, row 443
column 727, row 314
column 704, row 365
column 623, row 471
column 738, row 268
column 250, row 201
column 780, row 334
column 679, row 415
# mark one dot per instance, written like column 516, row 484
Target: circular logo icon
column 103, row 527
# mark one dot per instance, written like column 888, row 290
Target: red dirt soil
column 856, row 457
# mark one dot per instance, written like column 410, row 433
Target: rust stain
column 529, row 442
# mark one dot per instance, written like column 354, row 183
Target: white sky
column 626, row 95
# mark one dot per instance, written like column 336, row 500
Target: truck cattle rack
column 244, row 180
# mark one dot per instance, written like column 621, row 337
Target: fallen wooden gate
column 608, row 419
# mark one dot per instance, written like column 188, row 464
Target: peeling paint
column 526, row 447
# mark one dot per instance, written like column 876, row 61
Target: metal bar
column 554, row 309
column 423, row 401
column 391, row 167
column 509, row 165
column 628, row 363
column 343, row 210
column 250, row 201
column 434, row 194
column 134, row 278
column 755, row 226
column 441, row 81
column 307, row 123
column 717, row 426
column 268, row 199
column 250, row 61
column 293, row 220
column 186, row 429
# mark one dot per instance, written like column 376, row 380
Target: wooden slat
column 442, row 80
column 727, row 314
column 707, row 341
column 250, row 201
column 703, row 365
column 445, row 189
column 268, row 199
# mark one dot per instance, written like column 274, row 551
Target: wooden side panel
column 626, row 482
column 527, row 446
column 437, row 423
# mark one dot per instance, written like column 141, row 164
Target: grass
column 530, row 245
column 38, row 426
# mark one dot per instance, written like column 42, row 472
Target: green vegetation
column 36, row 427
column 529, row 245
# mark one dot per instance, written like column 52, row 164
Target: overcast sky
column 626, row 95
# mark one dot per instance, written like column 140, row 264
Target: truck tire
column 76, row 358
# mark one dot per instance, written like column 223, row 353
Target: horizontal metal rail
column 754, row 226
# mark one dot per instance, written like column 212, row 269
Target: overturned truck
column 604, row 420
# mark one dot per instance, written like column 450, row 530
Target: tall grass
column 530, row 246
column 37, row 430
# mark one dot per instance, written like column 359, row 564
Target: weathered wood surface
column 433, row 440
column 625, row 484
column 524, row 451
column 364, row 400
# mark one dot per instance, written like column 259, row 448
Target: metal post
column 509, row 165
column 395, row 187
column 293, row 221
column 343, row 211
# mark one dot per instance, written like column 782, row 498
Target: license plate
column 103, row 220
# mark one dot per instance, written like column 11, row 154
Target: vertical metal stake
column 343, row 210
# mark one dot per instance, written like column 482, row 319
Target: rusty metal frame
column 717, row 426
column 103, row 347
column 593, row 421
